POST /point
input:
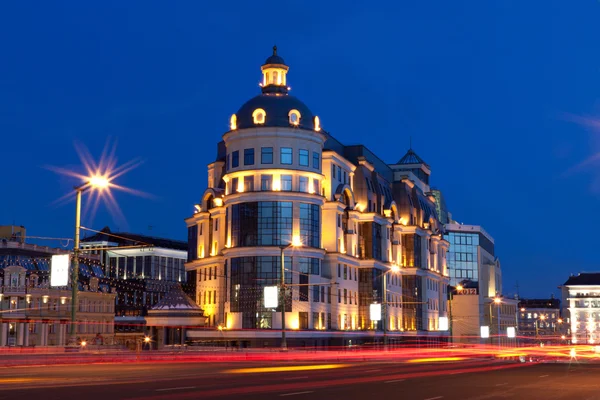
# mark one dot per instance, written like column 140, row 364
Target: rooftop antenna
column 517, row 287
column 410, row 142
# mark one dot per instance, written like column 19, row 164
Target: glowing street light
column 146, row 339
column 296, row 242
column 99, row 179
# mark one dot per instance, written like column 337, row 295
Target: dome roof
column 277, row 108
column 274, row 59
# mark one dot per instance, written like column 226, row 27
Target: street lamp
column 98, row 182
column 296, row 242
column 542, row 318
column 393, row 269
column 498, row 301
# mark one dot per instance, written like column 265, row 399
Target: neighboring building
column 133, row 256
column 472, row 257
column 279, row 177
column 12, row 233
column 581, row 301
column 440, row 206
column 34, row 314
column 143, row 269
column 473, row 265
column 540, row 320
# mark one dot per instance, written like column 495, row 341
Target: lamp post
column 498, row 301
column 94, row 182
column 295, row 243
column 542, row 318
column 394, row 269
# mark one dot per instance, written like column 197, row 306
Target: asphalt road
column 473, row 380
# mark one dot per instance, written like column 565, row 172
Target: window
column 303, row 157
column 266, row 155
column 286, row 155
column 294, row 117
column 259, row 115
column 235, row 159
column 303, row 184
column 286, row 182
column 248, row 156
column 317, row 124
column 340, row 174
column 316, row 161
column 233, row 122
column 248, row 183
column 332, row 171
column 303, row 320
column 310, row 224
column 266, row 182
column 316, row 294
column 234, row 185
column 264, row 223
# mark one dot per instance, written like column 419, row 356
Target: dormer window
column 233, row 122
column 259, row 116
column 317, row 124
column 294, row 117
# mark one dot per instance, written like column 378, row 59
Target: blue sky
column 500, row 98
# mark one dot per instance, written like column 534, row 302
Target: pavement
column 444, row 380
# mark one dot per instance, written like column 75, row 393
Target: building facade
column 34, row 314
column 581, row 301
column 540, row 320
column 279, row 178
column 476, row 277
column 143, row 270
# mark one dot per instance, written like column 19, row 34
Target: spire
column 274, row 74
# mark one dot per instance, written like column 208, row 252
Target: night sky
column 499, row 98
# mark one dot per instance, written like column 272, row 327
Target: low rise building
column 581, row 301
column 34, row 314
column 540, row 321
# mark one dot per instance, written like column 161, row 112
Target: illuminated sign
column 443, row 324
column 59, row 270
column 485, row 332
column 375, row 312
column 467, row 291
column 271, row 298
column 511, row 332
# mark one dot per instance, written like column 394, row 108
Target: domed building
column 343, row 225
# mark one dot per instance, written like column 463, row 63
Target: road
column 464, row 380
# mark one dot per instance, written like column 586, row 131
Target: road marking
column 435, row 398
column 176, row 388
column 396, row 380
column 295, row 377
column 544, row 376
column 372, row 370
column 501, row 384
column 295, row 393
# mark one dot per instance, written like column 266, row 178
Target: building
column 143, row 269
column 476, row 275
column 12, row 233
column 581, row 303
column 540, row 320
column 440, row 206
column 278, row 179
column 34, row 314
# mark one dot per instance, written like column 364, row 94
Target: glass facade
column 462, row 256
column 249, row 276
column 264, row 223
column 148, row 267
column 310, row 225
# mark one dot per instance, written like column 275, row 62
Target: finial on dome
column 274, row 50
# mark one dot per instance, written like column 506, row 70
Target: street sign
column 59, row 270
column 271, row 300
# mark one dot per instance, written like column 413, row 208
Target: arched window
column 294, row 116
column 317, row 124
column 233, row 122
column 259, row 116
column 275, row 78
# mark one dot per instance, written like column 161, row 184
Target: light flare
column 99, row 179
